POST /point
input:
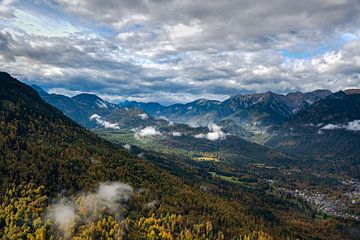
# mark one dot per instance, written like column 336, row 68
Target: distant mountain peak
column 339, row 94
column 352, row 91
column 93, row 100
column 86, row 96
column 294, row 93
column 203, row 101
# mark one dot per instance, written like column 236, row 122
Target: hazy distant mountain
column 92, row 101
column 39, row 90
column 190, row 113
column 151, row 108
column 262, row 108
column 352, row 91
column 266, row 109
column 132, row 118
column 298, row 101
column 91, row 111
column 247, row 115
column 336, row 108
column 252, row 114
column 67, row 105
column 79, row 108
column 328, row 129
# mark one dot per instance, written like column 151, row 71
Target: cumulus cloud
column 176, row 134
column 163, row 118
column 353, row 126
column 178, row 51
column 350, row 126
column 104, row 123
column 200, row 135
column 170, row 123
column 63, row 214
column 143, row 116
column 331, row 126
column 109, row 198
column 189, row 17
column 127, row 147
column 6, row 8
column 215, row 133
column 147, row 132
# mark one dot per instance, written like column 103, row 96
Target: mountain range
column 300, row 125
column 328, row 131
column 186, row 182
column 265, row 108
column 246, row 111
column 86, row 110
column 46, row 155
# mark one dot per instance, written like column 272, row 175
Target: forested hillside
column 44, row 154
column 60, row 181
column 328, row 131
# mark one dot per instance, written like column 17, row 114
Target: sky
column 171, row 51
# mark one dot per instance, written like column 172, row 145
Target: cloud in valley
column 176, row 134
column 103, row 123
column 143, row 116
column 127, row 146
column 147, row 132
column 350, row 126
column 215, row 133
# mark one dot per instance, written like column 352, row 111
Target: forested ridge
column 43, row 154
column 47, row 161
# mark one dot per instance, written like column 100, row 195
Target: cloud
column 179, row 51
column 63, row 214
column 163, row 118
column 350, row 126
column 170, row 123
column 147, row 132
column 127, row 147
column 104, row 123
column 6, row 8
column 183, row 31
column 353, row 126
column 280, row 16
column 109, row 198
column 215, row 133
column 143, row 116
column 176, row 134
column 71, row 93
column 153, row 204
column 331, row 126
column 200, row 135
